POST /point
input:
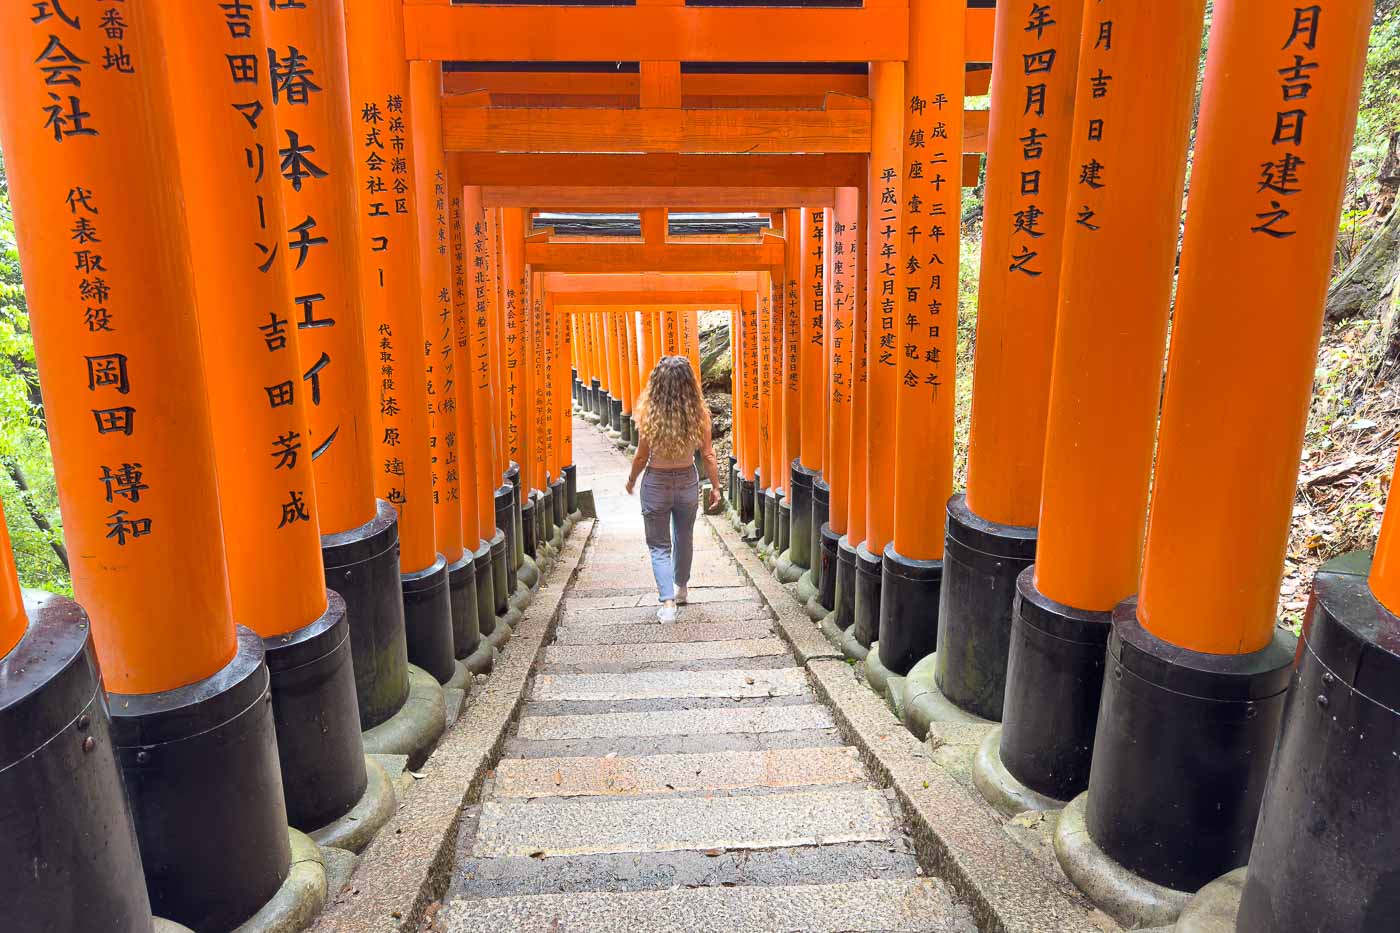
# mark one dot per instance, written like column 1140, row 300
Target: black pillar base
column 544, row 518
column 758, row 516
column 821, row 514
column 571, row 488
column 629, row 429
column 500, row 578
column 845, row 591
column 1181, row 753
column 314, row 711
column 1054, row 679
column 484, row 568
column 909, row 595
column 865, row 622
column 615, row 418
column 770, row 518
column 427, row 617
column 1326, row 851
column 518, row 499
column 784, row 525
column 461, row 587
column 800, row 495
column 604, row 408
column 825, row 599
column 745, row 501
column 362, row 565
column 595, row 394
column 981, row 562
column 531, row 529
column 559, row 498
column 69, row 858
column 201, row 771
column 505, row 523
column 733, row 487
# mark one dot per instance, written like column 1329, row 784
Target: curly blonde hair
column 671, row 412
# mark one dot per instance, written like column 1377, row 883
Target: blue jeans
column 669, row 502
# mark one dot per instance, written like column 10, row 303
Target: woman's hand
column 714, row 498
column 631, row 481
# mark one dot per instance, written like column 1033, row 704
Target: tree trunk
column 37, row 517
column 1367, row 285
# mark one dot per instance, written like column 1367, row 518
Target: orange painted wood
column 389, row 273
column 1247, row 320
column 663, row 169
column 123, row 383
column 640, row 257
column 843, row 255
column 792, row 315
column 1101, row 432
column 598, row 129
column 929, row 253
column 661, row 84
column 646, row 301
column 13, row 619
column 437, row 305
column 749, row 400
column 339, row 438
column 857, row 494
column 811, row 336
column 763, row 322
column 515, row 308
column 884, row 285
column 1019, row 287
column 650, row 282
column 628, row 198
column 463, row 215
column 267, row 500
column 655, row 33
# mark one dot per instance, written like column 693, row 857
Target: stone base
column 354, row 830
column 814, row 608
column 829, row 628
column 301, row 896
column 875, row 672
column 521, row 597
column 461, row 677
column 482, row 659
column 806, row 587
column 924, row 703
column 416, row 727
column 1133, row 901
column 785, row 570
column 161, row 925
column 1216, row 907
column 1000, row 787
column 505, row 627
column 528, row 572
column 851, row 647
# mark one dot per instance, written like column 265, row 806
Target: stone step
column 679, row 632
column 553, row 827
column 890, row 905
column 642, row 871
column 661, row 774
column 574, row 655
column 645, row 614
column 676, row 722
column 697, row 596
column 661, row 684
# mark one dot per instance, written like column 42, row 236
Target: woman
column 673, row 423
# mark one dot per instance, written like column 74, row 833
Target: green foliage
column 24, row 442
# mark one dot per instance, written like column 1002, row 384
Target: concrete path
column 678, row 777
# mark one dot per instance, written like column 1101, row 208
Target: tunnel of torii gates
column 286, row 282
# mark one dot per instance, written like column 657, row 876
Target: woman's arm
column 707, row 454
column 639, row 463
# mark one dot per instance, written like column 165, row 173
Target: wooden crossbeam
column 843, row 126
column 673, row 300
column 636, row 197
column 649, row 283
column 662, row 169
column 643, row 257
column 615, row 89
column 668, row 170
column 436, row 30
column 606, row 305
column 468, row 128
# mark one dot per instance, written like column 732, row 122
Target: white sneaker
column 666, row 614
column 682, row 594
